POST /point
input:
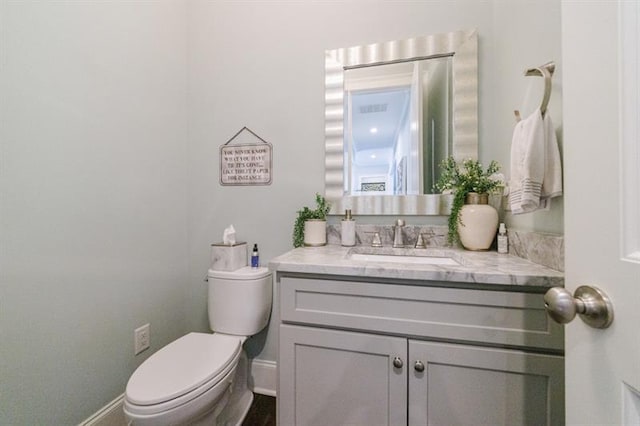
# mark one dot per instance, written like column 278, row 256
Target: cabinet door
column 467, row 385
column 330, row 377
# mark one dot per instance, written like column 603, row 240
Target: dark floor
column 262, row 411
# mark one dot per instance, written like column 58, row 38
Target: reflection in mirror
column 394, row 110
column 398, row 126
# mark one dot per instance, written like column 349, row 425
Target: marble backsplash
column 436, row 236
column 543, row 249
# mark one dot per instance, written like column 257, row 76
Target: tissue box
column 228, row 257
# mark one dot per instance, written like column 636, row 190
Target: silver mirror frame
column 463, row 46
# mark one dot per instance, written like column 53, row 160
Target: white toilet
column 201, row 378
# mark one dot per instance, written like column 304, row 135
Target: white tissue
column 229, row 236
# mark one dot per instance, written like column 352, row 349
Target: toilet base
column 231, row 414
column 233, row 408
column 230, row 408
column 236, row 410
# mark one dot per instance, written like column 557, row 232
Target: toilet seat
column 181, row 371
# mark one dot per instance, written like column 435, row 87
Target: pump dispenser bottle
column 503, row 240
column 348, row 230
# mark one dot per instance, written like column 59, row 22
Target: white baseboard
column 263, row 380
column 264, row 376
column 109, row 415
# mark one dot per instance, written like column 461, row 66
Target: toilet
column 202, row 378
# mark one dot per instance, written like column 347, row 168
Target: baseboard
column 109, row 415
column 263, row 377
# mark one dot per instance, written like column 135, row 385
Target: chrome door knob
column 560, row 305
column 418, row 366
column 397, row 362
column 591, row 303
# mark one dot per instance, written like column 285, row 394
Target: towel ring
column 545, row 71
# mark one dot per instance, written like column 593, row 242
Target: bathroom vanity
column 416, row 337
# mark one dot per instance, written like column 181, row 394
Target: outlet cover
column 141, row 339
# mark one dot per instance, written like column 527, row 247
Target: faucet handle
column 375, row 241
column 421, row 243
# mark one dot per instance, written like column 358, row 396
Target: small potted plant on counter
column 310, row 227
column 472, row 221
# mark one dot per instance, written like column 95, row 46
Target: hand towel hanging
column 536, row 171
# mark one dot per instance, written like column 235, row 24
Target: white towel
column 536, row 171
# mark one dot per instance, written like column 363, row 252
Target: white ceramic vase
column 479, row 222
column 315, row 232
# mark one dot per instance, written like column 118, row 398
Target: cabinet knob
column 418, row 366
column 591, row 303
column 397, row 362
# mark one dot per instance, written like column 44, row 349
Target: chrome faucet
column 398, row 241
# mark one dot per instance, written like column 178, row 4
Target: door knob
column 591, row 303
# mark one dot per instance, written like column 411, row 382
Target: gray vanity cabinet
column 331, row 377
column 355, row 352
column 468, row 385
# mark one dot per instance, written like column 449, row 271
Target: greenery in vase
column 320, row 212
column 463, row 179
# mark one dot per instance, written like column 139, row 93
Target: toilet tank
column 240, row 300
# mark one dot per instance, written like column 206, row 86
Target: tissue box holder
column 226, row 257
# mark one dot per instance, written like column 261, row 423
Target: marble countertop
column 487, row 267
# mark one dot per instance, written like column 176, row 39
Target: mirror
column 393, row 111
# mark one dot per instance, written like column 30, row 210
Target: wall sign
column 246, row 163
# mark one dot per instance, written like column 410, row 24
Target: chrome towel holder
column 545, row 71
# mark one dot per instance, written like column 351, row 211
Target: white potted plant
column 472, row 221
column 310, row 227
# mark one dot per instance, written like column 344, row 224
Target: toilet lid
column 181, row 366
column 244, row 273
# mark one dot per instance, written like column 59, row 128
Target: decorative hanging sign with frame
column 246, row 164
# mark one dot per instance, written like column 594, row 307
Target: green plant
column 320, row 212
column 461, row 180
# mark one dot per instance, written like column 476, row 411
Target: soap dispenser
column 348, row 230
column 503, row 240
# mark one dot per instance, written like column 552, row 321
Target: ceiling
column 376, row 119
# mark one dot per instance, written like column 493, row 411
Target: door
column 331, row 377
column 602, row 213
column 459, row 385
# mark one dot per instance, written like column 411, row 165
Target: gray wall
column 93, row 222
column 112, row 116
column 526, row 34
column 261, row 65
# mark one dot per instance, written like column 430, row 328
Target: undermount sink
column 406, row 256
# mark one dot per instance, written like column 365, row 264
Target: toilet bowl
column 202, row 378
